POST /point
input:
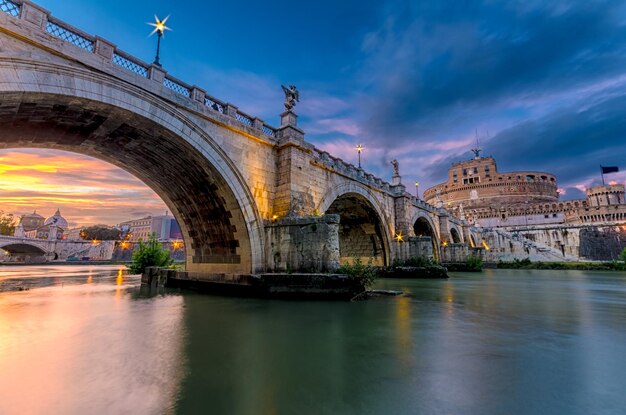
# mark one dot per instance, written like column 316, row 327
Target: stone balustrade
column 336, row 164
column 31, row 12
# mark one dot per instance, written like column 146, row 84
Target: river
column 88, row 340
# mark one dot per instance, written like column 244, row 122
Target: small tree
column 7, row 223
column 150, row 254
column 622, row 256
column 364, row 274
column 101, row 233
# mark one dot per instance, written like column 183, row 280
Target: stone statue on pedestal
column 396, row 167
column 292, row 95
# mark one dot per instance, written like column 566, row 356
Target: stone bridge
column 249, row 197
column 28, row 249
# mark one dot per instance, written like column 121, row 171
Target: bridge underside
column 209, row 214
column 23, row 250
column 360, row 230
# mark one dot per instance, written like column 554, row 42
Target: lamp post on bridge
column 159, row 29
column 417, row 193
column 359, row 148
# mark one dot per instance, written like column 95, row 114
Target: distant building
column 34, row 226
column 165, row 227
column 477, row 192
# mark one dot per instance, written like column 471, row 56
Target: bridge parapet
column 58, row 29
column 326, row 160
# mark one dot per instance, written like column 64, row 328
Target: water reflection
column 523, row 342
column 89, row 349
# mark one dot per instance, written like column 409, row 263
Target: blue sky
column 543, row 83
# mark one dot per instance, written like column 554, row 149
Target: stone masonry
column 247, row 195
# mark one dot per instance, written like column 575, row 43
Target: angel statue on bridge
column 292, row 95
column 396, row 167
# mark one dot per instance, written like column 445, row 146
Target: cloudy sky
column 542, row 83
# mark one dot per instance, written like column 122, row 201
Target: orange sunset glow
column 86, row 190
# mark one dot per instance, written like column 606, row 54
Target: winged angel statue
column 292, row 95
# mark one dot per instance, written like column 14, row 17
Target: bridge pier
column 304, row 244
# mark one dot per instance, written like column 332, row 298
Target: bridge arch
column 90, row 113
column 364, row 228
column 455, row 235
column 423, row 225
column 22, row 248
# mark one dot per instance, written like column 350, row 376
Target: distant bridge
column 249, row 197
column 25, row 249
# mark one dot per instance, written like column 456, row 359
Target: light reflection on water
column 522, row 342
column 89, row 349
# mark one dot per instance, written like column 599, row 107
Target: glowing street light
column 417, row 193
column 359, row 148
column 399, row 237
column 159, row 29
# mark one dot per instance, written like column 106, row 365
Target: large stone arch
column 67, row 108
column 357, row 193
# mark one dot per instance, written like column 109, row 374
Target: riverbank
column 581, row 266
column 61, row 263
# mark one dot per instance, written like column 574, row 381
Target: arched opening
column 454, row 234
column 21, row 252
column 205, row 202
column 423, row 228
column 360, row 230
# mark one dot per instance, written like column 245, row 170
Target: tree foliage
column 7, row 223
column 365, row 274
column 622, row 255
column 150, row 254
column 101, row 233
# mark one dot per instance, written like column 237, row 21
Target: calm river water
column 87, row 340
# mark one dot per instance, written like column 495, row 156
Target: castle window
column 475, row 170
column 464, row 172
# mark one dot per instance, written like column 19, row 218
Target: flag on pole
column 611, row 169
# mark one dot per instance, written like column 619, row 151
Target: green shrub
column 365, row 274
column 416, row 261
column 622, row 255
column 474, row 263
column 150, row 254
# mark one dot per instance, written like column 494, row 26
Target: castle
column 524, row 206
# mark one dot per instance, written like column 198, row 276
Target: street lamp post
column 417, row 193
column 159, row 29
column 359, row 148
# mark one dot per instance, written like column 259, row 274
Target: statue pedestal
column 288, row 118
column 396, row 180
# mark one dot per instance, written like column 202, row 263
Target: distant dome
column 31, row 221
column 57, row 220
column 33, row 215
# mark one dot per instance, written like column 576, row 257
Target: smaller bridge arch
column 364, row 228
column 423, row 225
column 455, row 235
column 22, row 250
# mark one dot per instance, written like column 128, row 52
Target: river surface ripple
column 89, row 340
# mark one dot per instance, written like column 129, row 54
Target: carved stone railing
column 58, row 29
column 132, row 64
column 324, row 159
column 9, row 7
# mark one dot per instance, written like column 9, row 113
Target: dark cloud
column 436, row 64
column 570, row 143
